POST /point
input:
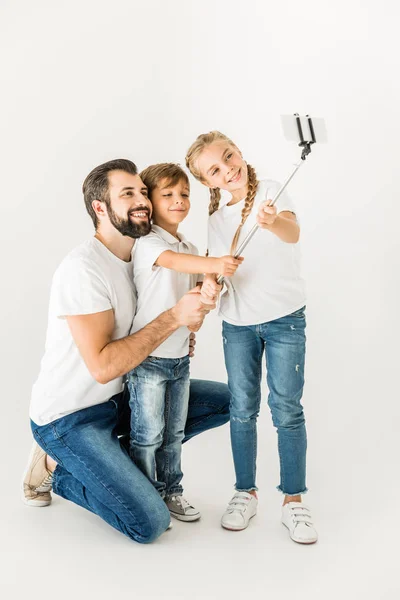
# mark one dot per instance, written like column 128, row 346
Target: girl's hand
column 267, row 215
column 210, row 289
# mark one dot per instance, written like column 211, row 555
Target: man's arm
column 106, row 359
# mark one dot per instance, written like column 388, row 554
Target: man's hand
column 227, row 265
column 192, row 343
column 210, row 289
column 190, row 310
column 267, row 215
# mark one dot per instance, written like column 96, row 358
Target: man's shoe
column 240, row 510
column 37, row 479
column 180, row 508
column 296, row 516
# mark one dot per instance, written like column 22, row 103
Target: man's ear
column 99, row 208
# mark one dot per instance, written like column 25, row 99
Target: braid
column 215, row 197
column 248, row 204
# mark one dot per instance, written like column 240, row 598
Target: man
column 78, row 407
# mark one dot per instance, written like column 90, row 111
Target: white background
column 84, row 82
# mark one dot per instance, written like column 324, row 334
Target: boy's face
column 171, row 204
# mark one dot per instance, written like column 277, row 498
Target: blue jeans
column 95, row 471
column 284, row 343
column 159, row 397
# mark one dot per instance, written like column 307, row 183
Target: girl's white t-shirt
column 91, row 279
column 268, row 285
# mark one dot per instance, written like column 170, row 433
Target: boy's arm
column 190, row 263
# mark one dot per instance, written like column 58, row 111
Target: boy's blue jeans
column 159, row 397
column 284, row 343
column 95, row 470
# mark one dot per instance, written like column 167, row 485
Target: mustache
column 145, row 209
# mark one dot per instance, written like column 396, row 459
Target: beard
column 128, row 227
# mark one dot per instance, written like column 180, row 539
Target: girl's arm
column 284, row 225
column 190, row 263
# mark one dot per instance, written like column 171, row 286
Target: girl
column 262, row 308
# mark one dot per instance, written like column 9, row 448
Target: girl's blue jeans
column 283, row 341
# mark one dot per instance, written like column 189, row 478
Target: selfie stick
column 306, row 145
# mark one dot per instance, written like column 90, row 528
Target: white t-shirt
column 268, row 284
column 159, row 289
column 90, row 279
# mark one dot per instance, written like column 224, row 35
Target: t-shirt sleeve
column 284, row 201
column 211, row 240
column 195, row 278
column 78, row 289
column 149, row 248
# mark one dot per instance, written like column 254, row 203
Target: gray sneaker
column 180, row 508
column 37, row 479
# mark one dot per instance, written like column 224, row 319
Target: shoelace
column 182, row 501
column 45, row 486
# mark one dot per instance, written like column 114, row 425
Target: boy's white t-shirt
column 159, row 289
column 268, row 285
column 90, row 279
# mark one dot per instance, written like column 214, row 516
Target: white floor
column 66, row 552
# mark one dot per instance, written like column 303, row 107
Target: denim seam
column 44, row 446
column 165, row 436
column 301, row 493
column 207, row 417
column 94, row 475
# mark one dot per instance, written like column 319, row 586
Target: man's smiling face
column 129, row 208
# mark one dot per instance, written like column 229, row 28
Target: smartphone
column 314, row 131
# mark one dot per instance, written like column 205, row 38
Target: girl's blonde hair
column 192, row 156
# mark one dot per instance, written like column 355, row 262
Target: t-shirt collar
column 168, row 237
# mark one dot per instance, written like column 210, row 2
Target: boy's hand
column 267, row 215
column 227, row 265
column 210, row 289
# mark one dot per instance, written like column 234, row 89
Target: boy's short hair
column 172, row 172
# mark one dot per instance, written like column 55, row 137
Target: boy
column 166, row 266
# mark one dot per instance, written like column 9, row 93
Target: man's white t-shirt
column 90, row 279
column 159, row 289
column 268, row 285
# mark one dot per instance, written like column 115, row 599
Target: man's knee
column 152, row 526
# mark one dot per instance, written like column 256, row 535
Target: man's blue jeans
column 284, row 343
column 94, row 468
column 159, row 397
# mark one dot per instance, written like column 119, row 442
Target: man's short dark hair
column 96, row 185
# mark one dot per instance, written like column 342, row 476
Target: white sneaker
column 239, row 511
column 296, row 516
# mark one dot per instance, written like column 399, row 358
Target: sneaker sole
column 298, row 541
column 238, row 528
column 37, row 503
column 185, row 518
column 27, row 501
